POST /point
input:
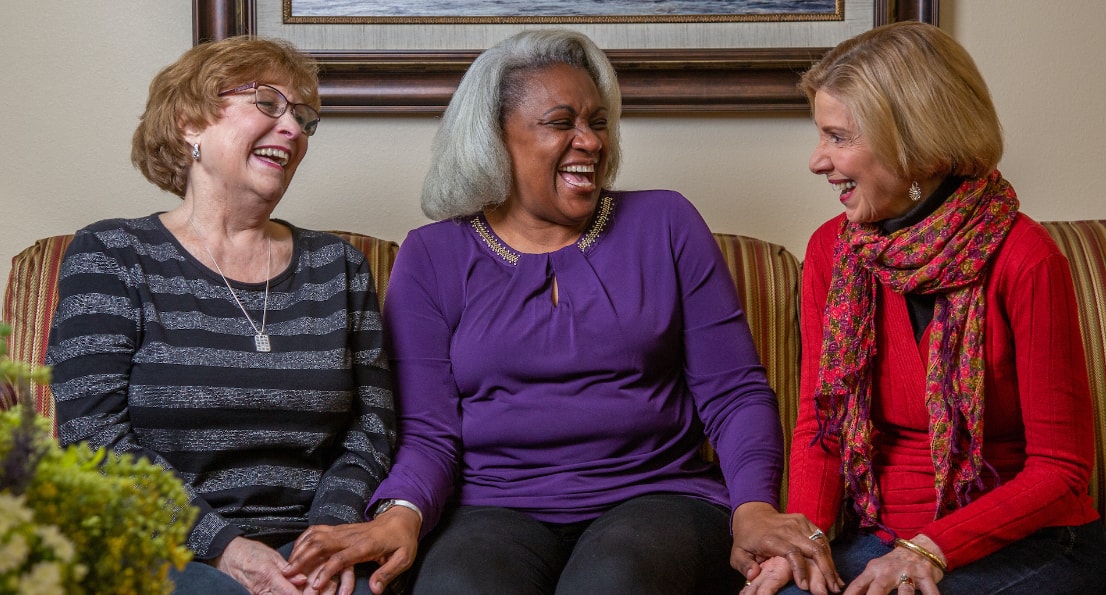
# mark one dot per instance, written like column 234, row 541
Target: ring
column 816, row 535
column 904, row 579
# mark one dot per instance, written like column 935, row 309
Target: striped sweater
column 152, row 355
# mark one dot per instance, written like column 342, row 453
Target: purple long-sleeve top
column 565, row 410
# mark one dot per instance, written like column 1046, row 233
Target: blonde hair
column 185, row 93
column 917, row 98
column 470, row 168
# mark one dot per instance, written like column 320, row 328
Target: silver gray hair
column 470, row 168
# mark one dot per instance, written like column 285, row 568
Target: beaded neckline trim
column 496, row 246
column 598, row 224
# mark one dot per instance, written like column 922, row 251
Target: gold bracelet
column 921, row 551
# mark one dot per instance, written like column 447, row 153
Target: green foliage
column 99, row 522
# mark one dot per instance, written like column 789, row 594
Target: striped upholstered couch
column 766, row 276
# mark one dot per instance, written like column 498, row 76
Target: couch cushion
column 767, row 279
column 1084, row 243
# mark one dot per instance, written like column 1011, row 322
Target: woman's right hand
column 775, row 574
column 258, row 568
column 761, row 533
column 391, row 540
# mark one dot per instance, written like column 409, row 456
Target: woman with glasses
column 240, row 351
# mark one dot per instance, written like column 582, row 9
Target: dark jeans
column 1052, row 561
column 198, row 578
column 657, row 544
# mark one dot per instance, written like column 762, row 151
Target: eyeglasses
column 273, row 103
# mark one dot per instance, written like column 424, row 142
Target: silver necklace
column 260, row 340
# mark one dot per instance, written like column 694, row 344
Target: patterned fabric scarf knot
column 944, row 254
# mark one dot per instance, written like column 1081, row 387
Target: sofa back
column 767, row 279
column 766, row 276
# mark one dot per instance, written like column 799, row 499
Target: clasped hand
column 262, row 570
column 391, row 540
column 782, row 544
column 899, row 571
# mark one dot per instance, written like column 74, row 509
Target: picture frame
column 653, row 80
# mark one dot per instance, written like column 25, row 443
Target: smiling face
column 557, row 140
column 247, row 153
column 869, row 190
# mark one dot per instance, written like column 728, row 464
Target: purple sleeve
column 723, row 371
column 427, row 401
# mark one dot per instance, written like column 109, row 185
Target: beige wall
column 75, row 77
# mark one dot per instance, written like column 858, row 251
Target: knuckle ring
column 816, row 535
column 904, row 579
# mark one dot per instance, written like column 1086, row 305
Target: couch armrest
column 30, row 299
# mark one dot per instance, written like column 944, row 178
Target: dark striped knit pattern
column 151, row 355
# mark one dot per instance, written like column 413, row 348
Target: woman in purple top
column 560, row 351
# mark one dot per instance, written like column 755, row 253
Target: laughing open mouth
column 278, row 156
column 580, row 175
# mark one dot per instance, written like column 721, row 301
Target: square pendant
column 262, row 343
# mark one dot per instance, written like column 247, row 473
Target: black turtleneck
column 920, row 305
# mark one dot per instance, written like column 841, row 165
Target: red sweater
column 1038, row 431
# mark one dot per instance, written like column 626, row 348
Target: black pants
column 661, row 544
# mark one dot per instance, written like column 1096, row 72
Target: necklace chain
column 261, row 340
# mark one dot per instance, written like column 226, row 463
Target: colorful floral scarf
column 947, row 254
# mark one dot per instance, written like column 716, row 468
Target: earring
column 196, row 151
column 915, row 192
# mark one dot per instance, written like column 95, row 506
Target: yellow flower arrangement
column 78, row 521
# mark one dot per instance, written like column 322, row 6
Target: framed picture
column 663, row 67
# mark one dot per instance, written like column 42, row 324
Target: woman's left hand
column 761, row 532
column 900, row 571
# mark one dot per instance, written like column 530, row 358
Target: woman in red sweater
column 946, row 415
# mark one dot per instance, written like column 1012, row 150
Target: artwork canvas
column 367, row 11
